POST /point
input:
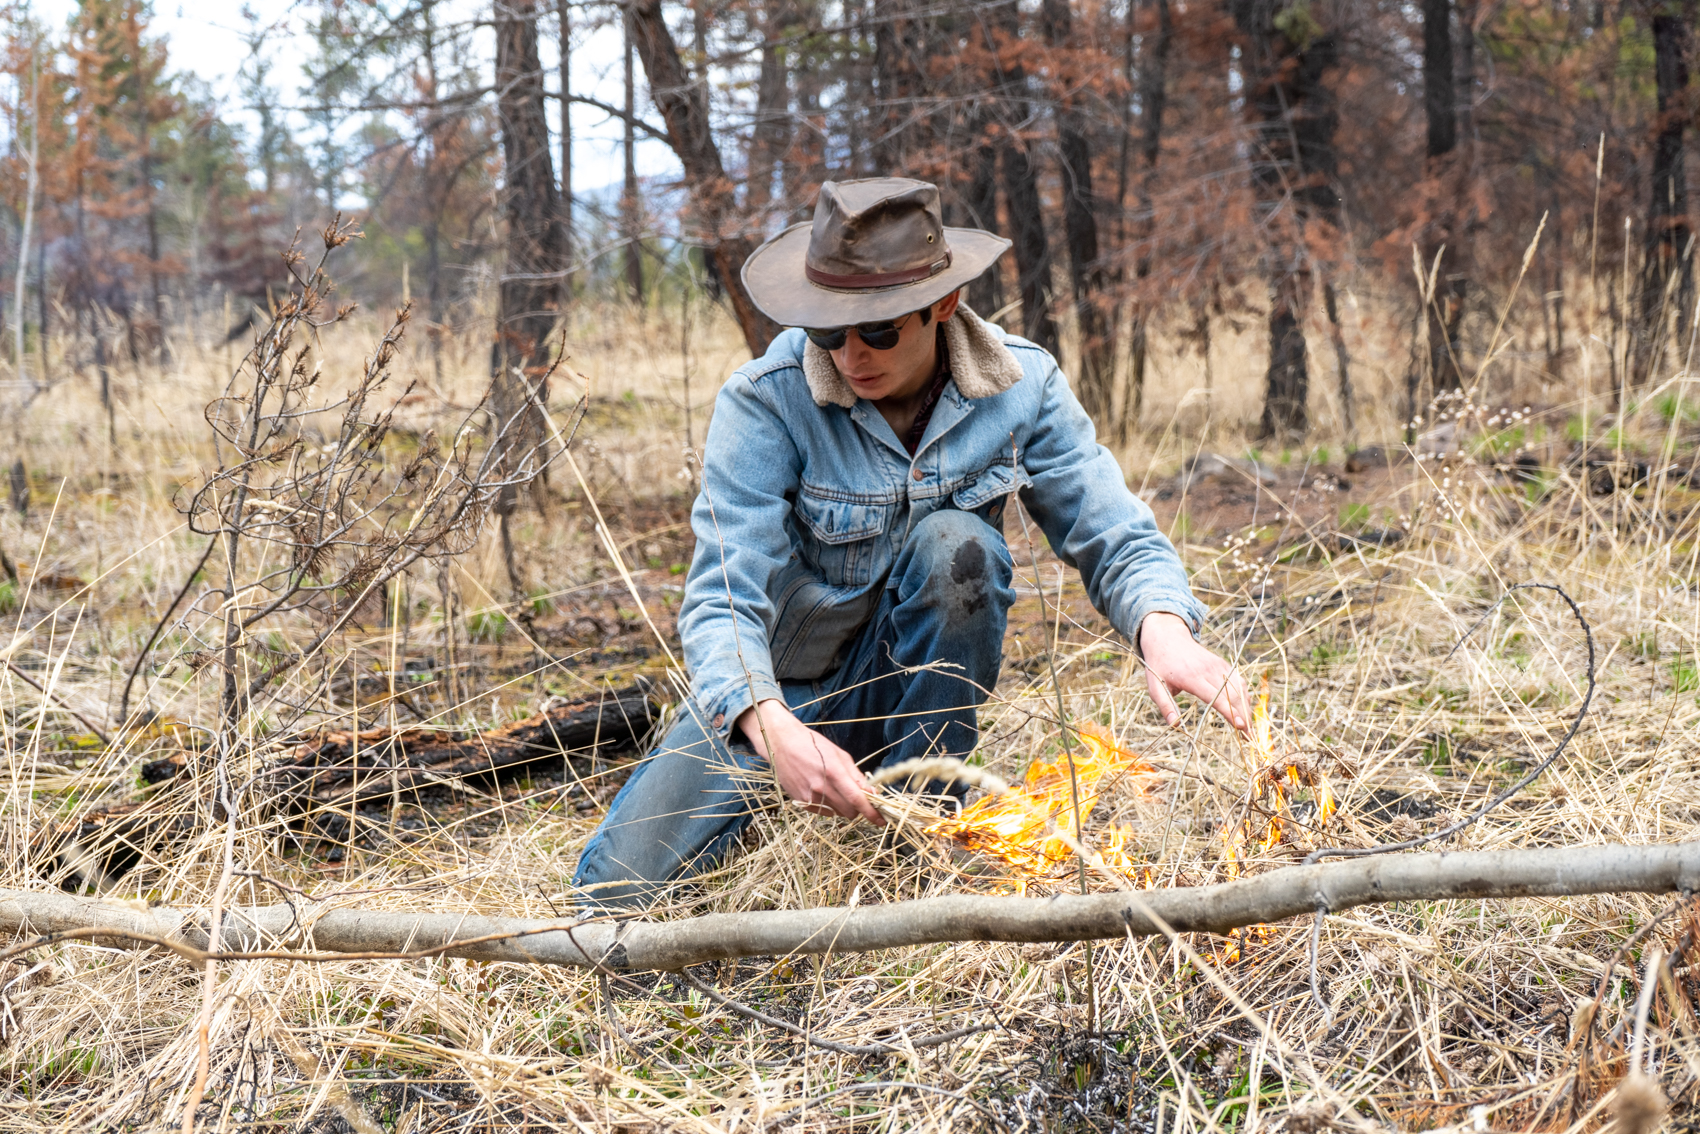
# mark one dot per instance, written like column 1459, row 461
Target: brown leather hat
column 877, row 249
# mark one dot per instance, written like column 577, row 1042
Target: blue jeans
column 947, row 601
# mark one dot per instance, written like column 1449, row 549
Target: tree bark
column 631, row 206
column 1668, row 228
column 1153, row 100
column 985, row 293
column 1294, row 117
column 770, row 132
column 1021, row 182
column 897, row 84
column 684, row 108
column 436, row 202
column 633, row 946
column 563, row 11
column 529, row 300
column 1096, row 366
column 1444, row 313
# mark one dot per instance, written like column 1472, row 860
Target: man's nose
column 855, row 350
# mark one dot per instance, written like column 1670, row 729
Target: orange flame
column 1012, row 828
column 1273, row 778
column 1233, row 949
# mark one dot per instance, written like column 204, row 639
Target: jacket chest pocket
column 987, row 490
column 841, row 537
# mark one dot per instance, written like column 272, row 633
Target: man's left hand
column 1175, row 663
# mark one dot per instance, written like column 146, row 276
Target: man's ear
column 946, row 307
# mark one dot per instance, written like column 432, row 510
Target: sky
column 204, row 38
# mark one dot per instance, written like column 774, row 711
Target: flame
column 1234, row 948
column 1012, row 827
column 1273, row 779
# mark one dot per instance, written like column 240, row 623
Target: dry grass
column 1452, row 1014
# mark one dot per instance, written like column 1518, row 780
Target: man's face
column 905, row 369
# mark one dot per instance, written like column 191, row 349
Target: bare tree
column 684, row 108
column 530, row 299
column 1293, row 117
column 1086, row 271
column 1667, row 273
column 320, row 526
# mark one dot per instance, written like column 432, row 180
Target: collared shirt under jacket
column 808, row 495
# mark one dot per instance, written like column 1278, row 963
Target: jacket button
column 719, row 719
column 918, row 475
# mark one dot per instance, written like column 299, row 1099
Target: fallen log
column 280, row 931
column 330, row 772
column 343, row 766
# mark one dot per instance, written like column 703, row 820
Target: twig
column 86, row 723
column 159, row 628
column 1446, row 832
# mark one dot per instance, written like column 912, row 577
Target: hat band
column 882, row 279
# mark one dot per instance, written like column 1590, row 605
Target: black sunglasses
column 882, row 335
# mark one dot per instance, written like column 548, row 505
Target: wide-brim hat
column 876, row 249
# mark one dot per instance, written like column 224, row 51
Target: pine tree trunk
column 1021, row 183
column 1153, row 100
column 1294, row 117
column 529, row 300
column 436, row 202
column 896, row 84
column 684, row 108
column 631, row 207
column 773, row 111
column 1444, row 313
column 564, row 15
column 1095, row 368
column 1667, row 275
column 985, row 293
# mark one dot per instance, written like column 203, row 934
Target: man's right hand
column 810, row 768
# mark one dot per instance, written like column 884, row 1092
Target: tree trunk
column 1021, row 182
column 1439, row 100
column 898, row 82
column 803, row 161
column 1666, row 242
column 1096, row 366
column 1153, row 100
column 564, row 14
column 631, row 206
column 1444, row 312
column 985, row 293
column 1342, row 364
column 771, row 129
column 1294, row 117
column 684, row 108
column 529, row 300
column 436, row 201
column 1287, row 382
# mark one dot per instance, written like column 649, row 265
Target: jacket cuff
column 1185, row 607
column 726, row 704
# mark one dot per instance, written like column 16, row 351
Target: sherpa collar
column 979, row 363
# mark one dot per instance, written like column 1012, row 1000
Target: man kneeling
column 847, row 601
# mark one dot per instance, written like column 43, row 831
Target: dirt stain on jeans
column 968, row 572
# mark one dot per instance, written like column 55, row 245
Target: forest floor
column 1345, row 589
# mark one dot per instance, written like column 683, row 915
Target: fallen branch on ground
column 338, row 767
column 338, row 770
column 279, row 931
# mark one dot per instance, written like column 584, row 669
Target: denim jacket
column 807, row 498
